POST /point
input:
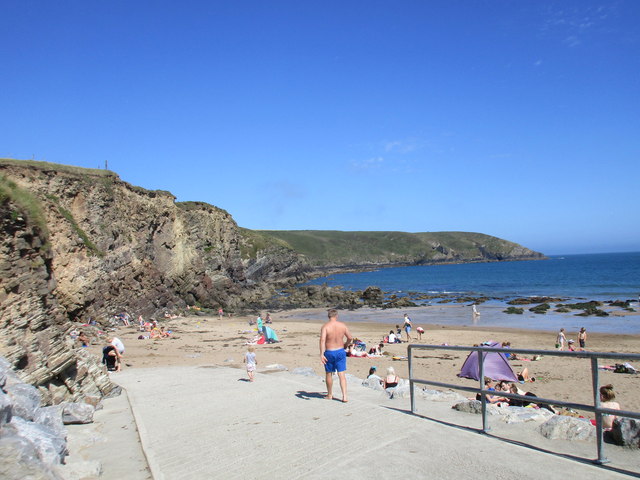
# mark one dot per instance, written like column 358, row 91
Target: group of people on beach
column 562, row 343
column 396, row 337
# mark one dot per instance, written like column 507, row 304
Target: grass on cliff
column 327, row 247
column 27, row 203
column 253, row 241
column 56, row 167
column 91, row 247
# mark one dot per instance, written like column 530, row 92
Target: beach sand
column 210, row 341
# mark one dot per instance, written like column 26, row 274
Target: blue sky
column 518, row 119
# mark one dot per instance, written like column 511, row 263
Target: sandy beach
column 209, row 341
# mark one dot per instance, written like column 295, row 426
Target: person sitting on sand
column 391, row 380
column 373, row 374
column 392, row 337
column 607, row 397
column 353, row 351
column 84, row 340
column 571, row 345
column 502, row 386
column 377, row 350
column 489, row 384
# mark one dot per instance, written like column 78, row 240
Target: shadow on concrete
column 309, row 395
column 567, row 456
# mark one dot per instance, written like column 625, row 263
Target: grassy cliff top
column 331, row 247
column 57, row 167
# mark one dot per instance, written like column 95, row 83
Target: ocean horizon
column 580, row 277
column 596, row 276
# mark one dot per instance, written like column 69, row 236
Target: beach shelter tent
column 271, row 335
column 496, row 366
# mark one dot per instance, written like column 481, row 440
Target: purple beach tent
column 496, row 366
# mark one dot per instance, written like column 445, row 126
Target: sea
column 602, row 276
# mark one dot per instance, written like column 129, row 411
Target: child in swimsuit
column 250, row 360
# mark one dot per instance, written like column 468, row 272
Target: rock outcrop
column 33, row 323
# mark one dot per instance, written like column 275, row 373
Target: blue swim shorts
column 336, row 360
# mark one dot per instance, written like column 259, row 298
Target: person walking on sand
column 250, row 360
column 332, row 352
column 407, row 327
column 582, row 338
column 561, row 340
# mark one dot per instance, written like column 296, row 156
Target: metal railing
column 595, row 381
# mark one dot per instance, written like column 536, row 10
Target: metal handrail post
column 413, row 396
column 595, row 380
column 483, row 396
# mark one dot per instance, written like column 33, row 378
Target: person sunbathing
column 524, row 376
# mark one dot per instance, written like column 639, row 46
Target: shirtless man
column 332, row 353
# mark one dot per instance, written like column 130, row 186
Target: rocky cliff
column 80, row 244
column 33, row 324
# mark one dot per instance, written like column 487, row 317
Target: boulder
column 5, row 408
column 567, row 428
column 524, row 414
column 442, row 396
column 475, row 406
column 276, row 367
column 304, row 371
column 7, row 375
column 19, row 460
column 374, row 382
column 73, row 413
column 373, row 296
column 51, row 449
column 25, row 400
column 401, row 391
column 626, row 432
column 51, row 417
column 83, row 470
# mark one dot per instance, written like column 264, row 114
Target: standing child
column 250, row 360
column 582, row 338
column 561, row 340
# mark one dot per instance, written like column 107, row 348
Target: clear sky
column 518, row 119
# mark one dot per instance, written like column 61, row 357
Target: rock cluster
column 33, row 438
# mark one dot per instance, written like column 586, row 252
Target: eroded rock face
column 32, row 321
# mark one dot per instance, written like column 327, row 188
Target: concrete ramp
column 208, row 422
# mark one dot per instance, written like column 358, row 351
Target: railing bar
column 595, row 381
column 526, row 351
column 546, row 401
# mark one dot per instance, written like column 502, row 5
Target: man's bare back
column 332, row 343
